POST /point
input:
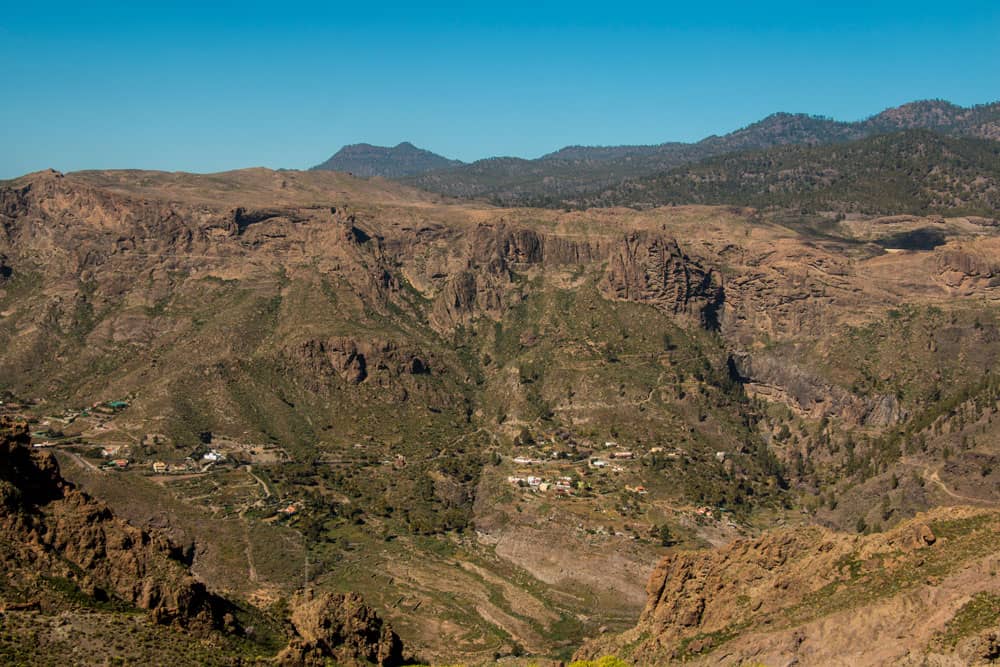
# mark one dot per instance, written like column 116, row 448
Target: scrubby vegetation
column 979, row 613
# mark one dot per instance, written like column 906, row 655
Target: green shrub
column 606, row 661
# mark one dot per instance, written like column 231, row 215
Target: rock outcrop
column 354, row 360
column 342, row 628
column 969, row 267
column 470, row 294
column 788, row 597
column 652, row 269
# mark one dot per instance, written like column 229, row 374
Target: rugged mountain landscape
column 308, row 393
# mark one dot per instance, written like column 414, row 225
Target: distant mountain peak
column 929, row 114
column 403, row 159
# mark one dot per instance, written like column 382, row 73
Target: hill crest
column 403, row 159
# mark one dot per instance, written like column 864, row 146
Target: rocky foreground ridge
column 339, row 627
column 811, row 596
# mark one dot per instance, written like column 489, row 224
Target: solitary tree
column 666, row 539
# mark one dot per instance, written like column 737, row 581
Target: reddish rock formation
column 342, row 628
column 788, row 596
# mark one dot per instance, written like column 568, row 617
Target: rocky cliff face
column 471, row 294
column 521, row 245
column 484, row 286
column 652, row 269
column 642, row 267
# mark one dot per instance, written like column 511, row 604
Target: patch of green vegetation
column 707, row 641
column 263, row 632
column 976, row 615
column 71, row 591
column 22, row 283
column 953, row 529
column 604, row 661
column 159, row 306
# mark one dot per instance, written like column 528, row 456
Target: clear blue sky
column 213, row 86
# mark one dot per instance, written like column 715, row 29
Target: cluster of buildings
column 205, row 461
column 546, row 451
column 115, row 464
column 601, row 464
column 560, row 485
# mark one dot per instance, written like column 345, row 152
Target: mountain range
column 581, row 173
column 914, row 171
